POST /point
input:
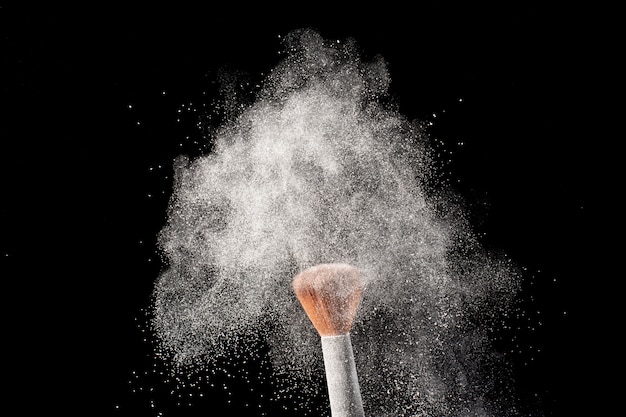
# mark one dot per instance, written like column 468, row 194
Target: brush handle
column 343, row 386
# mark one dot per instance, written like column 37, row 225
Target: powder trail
column 319, row 170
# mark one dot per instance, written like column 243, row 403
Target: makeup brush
column 330, row 295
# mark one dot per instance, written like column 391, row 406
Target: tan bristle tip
column 330, row 295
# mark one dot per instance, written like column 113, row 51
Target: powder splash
column 319, row 170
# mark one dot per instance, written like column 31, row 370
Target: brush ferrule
column 343, row 386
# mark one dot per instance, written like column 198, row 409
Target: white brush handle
column 343, row 386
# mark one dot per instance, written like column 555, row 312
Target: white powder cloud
column 317, row 170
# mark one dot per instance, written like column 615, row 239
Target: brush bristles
column 330, row 295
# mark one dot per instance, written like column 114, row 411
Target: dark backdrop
column 99, row 100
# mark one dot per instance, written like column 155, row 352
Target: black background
column 89, row 131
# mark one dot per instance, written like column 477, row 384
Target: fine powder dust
column 319, row 170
